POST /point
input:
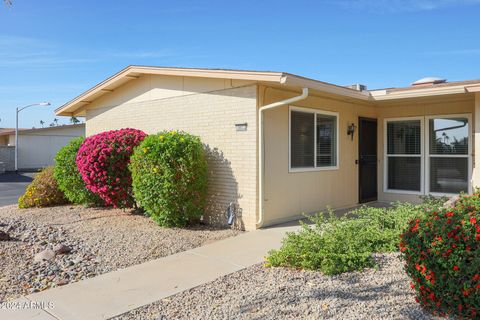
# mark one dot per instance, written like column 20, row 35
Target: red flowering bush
column 442, row 254
column 103, row 160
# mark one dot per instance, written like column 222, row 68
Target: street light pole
column 16, row 128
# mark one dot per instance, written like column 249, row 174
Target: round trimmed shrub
column 169, row 172
column 68, row 177
column 442, row 257
column 102, row 161
column 42, row 192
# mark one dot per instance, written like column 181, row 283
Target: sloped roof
column 270, row 77
column 134, row 72
column 9, row 131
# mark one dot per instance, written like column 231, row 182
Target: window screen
column 326, row 141
column 448, row 155
column 302, row 139
column 404, row 155
column 404, row 137
column 313, row 139
column 448, row 175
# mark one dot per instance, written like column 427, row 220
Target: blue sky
column 54, row 50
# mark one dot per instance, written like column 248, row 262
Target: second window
column 313, row 139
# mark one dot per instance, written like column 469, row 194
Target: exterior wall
column 289, row 194
column 155, row 87
column 37, row 148
column 209, row 109
column 420, row 107
column 3, row 140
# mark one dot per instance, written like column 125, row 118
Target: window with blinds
column 326, row 141
column 302, row 139
column 404, row 155
column 313, row 139
column 448, row 155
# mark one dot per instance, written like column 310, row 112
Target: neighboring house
column 320, row 144
column 4, row 135
column 38, row 147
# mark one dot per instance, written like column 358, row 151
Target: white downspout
column 303, row 96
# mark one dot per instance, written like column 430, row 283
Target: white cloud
column 18, row 51
column 403, row 5
column 7, row 41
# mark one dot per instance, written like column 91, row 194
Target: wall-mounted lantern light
column 351, row 130
column 241, row 126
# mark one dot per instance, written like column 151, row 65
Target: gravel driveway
column 279, row 293
column 99, row 241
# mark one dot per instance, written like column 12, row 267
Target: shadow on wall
column 222, row 190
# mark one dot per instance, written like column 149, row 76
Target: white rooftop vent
column 429, row 80
column 358, row 87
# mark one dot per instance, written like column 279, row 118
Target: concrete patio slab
column 118, row 292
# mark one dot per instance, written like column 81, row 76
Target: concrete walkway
column 118, row 292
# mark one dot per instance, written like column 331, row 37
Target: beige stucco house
column 280, row 145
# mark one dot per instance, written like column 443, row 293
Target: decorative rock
column 450, row 203
column 62, row 282
column 45, row 255
column 62, row 249
column 4, row 236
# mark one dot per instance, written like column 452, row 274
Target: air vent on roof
column 358, row 87
column 429, row 81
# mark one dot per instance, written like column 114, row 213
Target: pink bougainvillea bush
column 442, row 257
column 103, row 160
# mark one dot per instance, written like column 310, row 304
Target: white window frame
column 386, row 155
column 337, row 144
column 427, row 152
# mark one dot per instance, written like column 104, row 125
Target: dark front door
column 367, row 159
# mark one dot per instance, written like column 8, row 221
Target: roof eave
column 382, row 95
column 296, row 81
column 133, row 72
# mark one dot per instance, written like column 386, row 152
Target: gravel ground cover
column 54, row 246
column 280, row 293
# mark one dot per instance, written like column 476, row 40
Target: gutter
column 303, row 96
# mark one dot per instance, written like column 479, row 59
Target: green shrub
column 68, row 177
column 340, row 244
column 169, row 177
column 42, row 192
column 441, row 250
